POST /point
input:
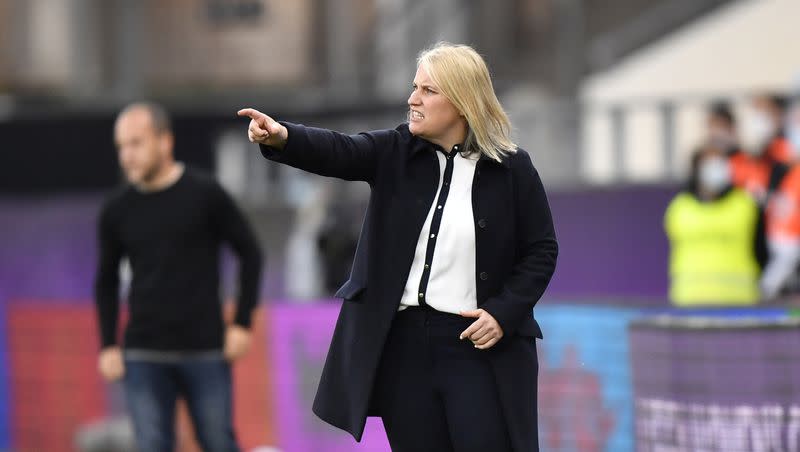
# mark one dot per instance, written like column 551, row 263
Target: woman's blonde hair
column 463, row 78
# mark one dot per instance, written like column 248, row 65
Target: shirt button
column 484, row 276
column 438, row 207
column 433, row 235
column 421, row 294
column 427, row 266
column 482, row 223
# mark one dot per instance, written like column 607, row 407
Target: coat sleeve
column 329, row 153
column 536, row 249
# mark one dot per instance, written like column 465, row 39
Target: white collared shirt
column 446, row 280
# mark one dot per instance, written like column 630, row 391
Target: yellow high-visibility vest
column 712, row 251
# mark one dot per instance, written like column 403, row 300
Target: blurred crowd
column 734, row 230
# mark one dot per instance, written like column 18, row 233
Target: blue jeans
column 152, row 388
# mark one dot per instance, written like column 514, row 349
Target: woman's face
column 431, row 115
column 713, row 170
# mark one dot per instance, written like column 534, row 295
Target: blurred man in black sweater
column 170, row 223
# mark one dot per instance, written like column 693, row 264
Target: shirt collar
column 420, row 144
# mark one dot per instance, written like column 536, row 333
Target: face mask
column 792, row 126
column 714, row 174
column 793, row 136
column 759, row 129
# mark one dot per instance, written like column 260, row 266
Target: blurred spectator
column 171, row 222
column 793, row 126
column 721, row 125
column 337, row 242
column 783, row 221
column 712, row 228
column 765, row 128
column 304, row 275
column 754, row 167
column 783, row 236
column 767, row 170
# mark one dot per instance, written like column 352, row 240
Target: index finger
column 251, row 113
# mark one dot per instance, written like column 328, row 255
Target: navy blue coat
column 515, row 249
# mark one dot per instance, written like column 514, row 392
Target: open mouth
column 415, row 115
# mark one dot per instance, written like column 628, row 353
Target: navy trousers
column 436, row 392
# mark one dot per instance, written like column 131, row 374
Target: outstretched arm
column 319, row 151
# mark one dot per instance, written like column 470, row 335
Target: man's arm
column 110, row 362
column 235, row 230
column 107, row 279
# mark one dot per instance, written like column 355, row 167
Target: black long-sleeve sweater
column 172, row 239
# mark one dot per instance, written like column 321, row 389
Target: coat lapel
column 414, row 197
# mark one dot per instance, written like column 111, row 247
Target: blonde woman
column 436, row 332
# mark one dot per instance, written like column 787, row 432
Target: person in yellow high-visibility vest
column 712, row 229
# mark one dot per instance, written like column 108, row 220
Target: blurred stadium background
column 609, row 97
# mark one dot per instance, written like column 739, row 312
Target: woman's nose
column 413, row 99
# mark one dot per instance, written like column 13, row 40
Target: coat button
column 482, row 223
column 484, row 276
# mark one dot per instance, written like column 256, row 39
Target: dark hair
column 722, row 110
column 777, row 101
column 692, row 182
column 780, row 101
column 159, row 117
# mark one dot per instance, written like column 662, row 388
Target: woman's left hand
column 484, row 332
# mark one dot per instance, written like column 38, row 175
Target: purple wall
column 612, row 245
column 47, row 247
